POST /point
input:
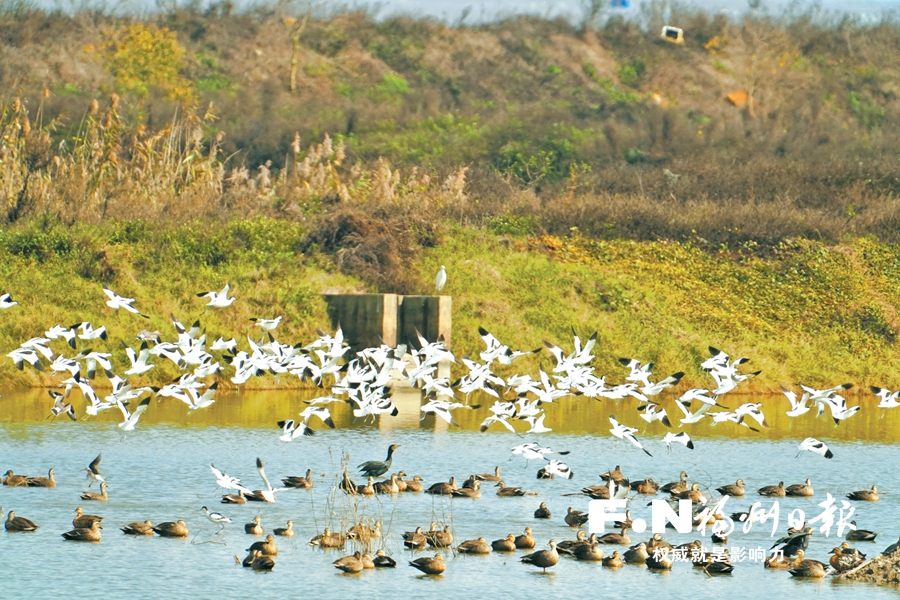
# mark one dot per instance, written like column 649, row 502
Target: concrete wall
column 370, row 319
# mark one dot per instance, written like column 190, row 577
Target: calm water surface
column 161, row 472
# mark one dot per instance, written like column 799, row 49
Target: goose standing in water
column 376, row 468
column 101, row 497
column 544, row 558
column 91, row 534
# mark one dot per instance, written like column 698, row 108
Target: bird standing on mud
column 375, row 468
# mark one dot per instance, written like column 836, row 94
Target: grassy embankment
column 591, row 176
column 812, row 313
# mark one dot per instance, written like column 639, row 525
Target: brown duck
column 238, row 498
column 14, row 523
column 525, row 541
column 295, row 481
column 488, row 476
column 177, row 529
column 287, row 531
column 479, row 546
column 261, row 562
column 621, row 538
column 430, row 566
column 84, row 534
column 386, row 487
column 543, row 558
column 735, row 490
column 614, row 561
column 805, row 567
column 327, row 539
column 575, row 518
column 473, row 492
column 266, row 547
column 676, row 486
column 415, row 539
column 253, row 527
column 349, row 564
column 865, row 495
column 415, row 485
column 138, row 528
column 773, row 491
column 443, row 488
column 542, row 512
column 801, row 490
column 509, row 492
column 440, row 539
column 507, row 544
column 46, row 482
column 12, row 480
column 82, row 520
column 101, row 497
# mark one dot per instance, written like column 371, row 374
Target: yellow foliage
column 142, row 56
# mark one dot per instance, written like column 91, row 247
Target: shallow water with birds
column 161, row 472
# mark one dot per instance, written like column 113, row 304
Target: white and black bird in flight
column 7, row 302
column 623, row 432
column 116, row 302
column 816, row 447
column 217, row 299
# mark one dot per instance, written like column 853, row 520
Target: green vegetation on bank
column 598, row 124
column 810, row 312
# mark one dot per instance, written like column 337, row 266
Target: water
column 161, row 472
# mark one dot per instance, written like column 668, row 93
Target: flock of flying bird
column 364, row 380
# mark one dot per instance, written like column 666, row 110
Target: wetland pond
column 161, row 472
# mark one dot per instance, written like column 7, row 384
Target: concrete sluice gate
column 369, row 320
